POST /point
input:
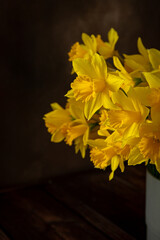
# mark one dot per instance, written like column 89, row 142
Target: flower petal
column 112, row 37
column 92, row 106
column 84, row 67
column 141, row 48
column 154, row 57
column 153, row 79
column 136, row 157
column 114, row 82
column 90, row 42
column 57, row 136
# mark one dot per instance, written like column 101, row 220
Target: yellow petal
column 106, row 51
column 84, row 67
column 70, row 94
column 118, row 64
column 100, row 66
column 57, row 117
column 112, row 37
column 111, row 176
column 86, row 136
column 114, row 163
column 132, row 131
column 107, row 102
column 121, row 164
column 79, row 146
column 153, row 79
column 100, row 143
column 136, row 62
column 57, row 136
column 55, row 106
column 155, row 114
column 76, row 108
column 114, row 166
column 120, row 98
column 90, row 42
column 154, row 57
column 136, row 157
column 92, row 106
column 74, row 132
column 95, row 68
column 142, row 93
column 114, row 82
column 141, row 48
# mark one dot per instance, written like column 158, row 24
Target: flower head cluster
column 113, row 106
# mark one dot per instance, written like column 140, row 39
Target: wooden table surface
column 82, row 205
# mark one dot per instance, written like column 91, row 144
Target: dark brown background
column 35, row 39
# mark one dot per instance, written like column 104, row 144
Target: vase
column 152, row 205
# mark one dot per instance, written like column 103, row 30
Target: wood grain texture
column 108, row 205
column 77, row 206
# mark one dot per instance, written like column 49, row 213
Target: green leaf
column 137, row 81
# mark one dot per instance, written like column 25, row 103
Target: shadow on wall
column 36, row 36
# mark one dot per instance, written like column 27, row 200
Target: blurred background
column 35, row 39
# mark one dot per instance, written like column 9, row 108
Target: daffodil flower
column 154, row 57
column 130, row 116
column 138, row 62
column 128, row 80
column 83, row 50
column 104, row 124
column 57, row 122
column 113, row 105
column 109, row 152
column 94, row 84
column 78, row 129
column 153, row 97
column 149, row 144
column 147, row 147
column 92, row 44
column 107, row 49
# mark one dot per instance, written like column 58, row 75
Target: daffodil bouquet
column 113, row 106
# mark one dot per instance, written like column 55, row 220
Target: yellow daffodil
column 148, row 146
column 138, row 62
column 77, row 51
column 135, row 156
column 113, row 105
column 57, row 122
column 68, row 124
column 130, row 115
column 150, row 143
column 107, row 49
column 128, row 80
column 78, row 129
column 104, row 123
column 150, row 97
column 153, row 78
column 154, row 57
column 109, row 152
column 92, row 44
column 153, row 97
column 94, row 84
column 83, row 50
